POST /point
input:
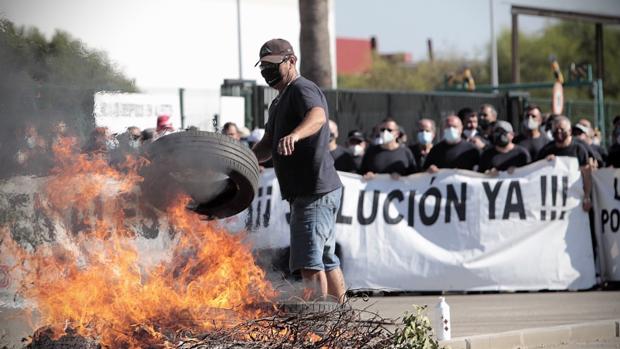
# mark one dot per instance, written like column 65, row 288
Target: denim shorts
column 313, row 238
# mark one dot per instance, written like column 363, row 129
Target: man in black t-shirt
column 531, row 138
column 343, row 159
column 296, row 138
column 390, row 156
column 452, row 151
column 504, row 155
column 564, row 145
column 583, row 132
column 425, row 137
column 357, row 144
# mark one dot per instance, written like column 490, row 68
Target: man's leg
column 315, row 284
column 335, row 284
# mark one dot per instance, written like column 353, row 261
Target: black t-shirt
column 574, row 149
column 533, row 145
column 463, row 155
column 343, row 160
column 380, row 160
column 613, row 157
column 416, row 150
column 516, row 157
column 310, row 169
column 357, row 160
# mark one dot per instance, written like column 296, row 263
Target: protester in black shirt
column 586, row 126
column 531, row 138
column 564, row 145
column 389, row 156
column 486, row 117
column 581, row 134
column 356, row 143
column 504, row 155
column 425, row 136
column 614, row 149
column 343, row 160
column 471, row 129
column 296, row 138
column 452, row 151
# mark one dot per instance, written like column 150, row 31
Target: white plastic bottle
column 443, row 326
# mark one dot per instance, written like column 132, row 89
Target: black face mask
column 483, row 123
column 272, row 75
column 499, row 138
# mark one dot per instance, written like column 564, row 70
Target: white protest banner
column 117, row 111
column 606, row 195
column 453, row 230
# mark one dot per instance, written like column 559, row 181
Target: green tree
column 570, row 42
column 44, row 81
column 422, row 76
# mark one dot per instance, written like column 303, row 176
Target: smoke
column 45, row 83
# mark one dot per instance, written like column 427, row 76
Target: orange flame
column 100, row 287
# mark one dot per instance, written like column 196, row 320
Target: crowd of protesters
column 470, row 140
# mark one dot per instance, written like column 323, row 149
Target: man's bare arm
column 586, row 174
column 262, row 149
column 311, row 124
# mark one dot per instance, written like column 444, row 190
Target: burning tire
column 219, row 173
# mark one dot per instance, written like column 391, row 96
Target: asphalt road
column 491, row 313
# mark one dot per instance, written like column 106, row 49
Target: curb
column 534, row 337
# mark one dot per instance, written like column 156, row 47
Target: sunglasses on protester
column 386, row 129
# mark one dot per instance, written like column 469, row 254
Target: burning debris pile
column 340, row 327
column 94, row 287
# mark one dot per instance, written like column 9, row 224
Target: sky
column 147, row 38
column 456, row 27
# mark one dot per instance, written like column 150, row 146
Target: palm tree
column 314, row 42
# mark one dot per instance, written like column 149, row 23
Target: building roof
column 353, row 56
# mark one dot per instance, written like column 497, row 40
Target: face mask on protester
column 451, row 134
column 531, row 124
column 469, row 133
column 357, row 150
column 134, row 143
column 377, row 140
column 111, row 144
column 31, row 142
column 425, row 137
column 499, row 138
column 484, row 124
column 559, row 135
column 386, row 137
column 549, row 135
column 272, row 75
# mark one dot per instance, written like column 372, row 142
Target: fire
column 97, row 285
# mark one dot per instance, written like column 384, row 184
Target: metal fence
column 361, row 110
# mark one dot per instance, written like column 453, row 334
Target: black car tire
column 219, row 173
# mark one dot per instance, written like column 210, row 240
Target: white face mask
column 134, row 144
column 425, row 137
column 451, row 134
column 31, row 142
column 357, row 150
column 549, row 135
column 387, row 137
column 111, row 144
column 377, row 141
column 531, row 124
column 469, row 133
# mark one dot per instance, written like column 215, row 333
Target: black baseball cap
column 275, row 51
column 355, row 134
